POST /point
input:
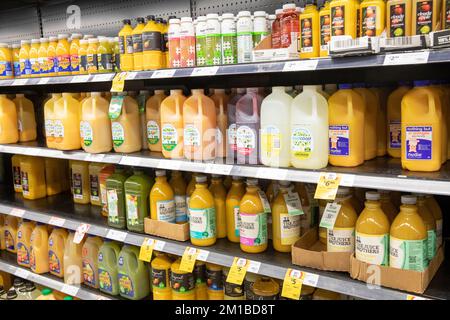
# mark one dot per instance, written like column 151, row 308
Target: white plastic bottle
column 229, row 39
column 213, row 40
column 309, row 130
column 174, row 43
column 200, row 38
column 244, row 29
column 259, row 27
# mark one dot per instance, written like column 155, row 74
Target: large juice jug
column 15, row 164
column 201, row 289
column 160, row 278
column 63, row 55
column 436, row 211
column 162, row 201
column 24, row 243
column 221, row 102
column 394, row 121
column 66, row 125
column 138, row 44
column 219, row 194
column 74, row 49
column 370, row 120
column 80, row 182
column 441, row 92
column 115, row 193
column 39, row 249
column 430, row 224
column 94, row 183
column 182, row 283
column 408, row 238
column 387, row 206
column 421, row 129
column 151, row 39
column 108, row 255
column 253, row 217
column 34, row 58
column 172, row 127
column 95, row 126
column 381, row 101
column 49, row 116
column 9, row 132
column 10, row 233
column 134, row 280
column 231, row 131
column 153, row 120
column 398, row 18
column 56, row 245
column 24, row 58
column 33, row 177
column 26, row 118
column 89, row 254
column 179, row 189
column 275, row 114
column 346, row 127
column 232, row 202
column 247, row 127
column 309, row 42
column 372, row 18
column 231, row 291
column 52, row 59
column 372, row 232
column 42, row 57
column 425, row 16
column 54, row 176
column 325, row 28
column 73, row 262
column 308, row 130
column 104, row 174
column 344, row 18
column 214, row 281
column 126, row 46
column 137, row 190
column 199, row 119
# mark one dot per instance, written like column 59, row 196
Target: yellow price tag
column 237, row 271
column 327, row 186
column 188, row 259
column 119, row 82
column 147, row 250
column 292, row 284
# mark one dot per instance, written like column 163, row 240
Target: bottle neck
column 408, row 208
column 161, row 179
column 372, row 204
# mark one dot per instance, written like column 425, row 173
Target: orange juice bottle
column 430, row 224
column 309, row 31
column 126, row 46
column 74, row 56
column 394, row 119
column 54, row 176
column 89, row 254
column 10, row 227
column 82, row 55
column 421, row 129
column 34, row 58
column 344, row 17
column 445, row 106
column 63, row 55
column 66, row 125
column 16, row 59
column 214, row 281
column 151, row 38
column 160, row 277
column 202, row 215
column 15, row 164
column 219, row 194
column 49, row 116
column 42, row 57
column 33, row 178
column 372, row 232
column 52, row 59
column 387, row 206
column 153, row 120
column 6, row 62
column 253, row 217
column 199, row 118
column 25, row 118
column 232, row 202
column 9, row 132
column 162, row 200
column 435, row 209
column 346, row 127
column 179, row 189
column 24, row 58
column 73, row 262
column 172, row 125
column 325, row 28
column 39, row 249
column 221, row 102
column 425, row 16
column 23, row 243
column 80, row 182
column 398, row 18
column 182, row 283
column 92, row 56
column 191, row 188
column 56, row 244
column 138, row 44
column 372, row 18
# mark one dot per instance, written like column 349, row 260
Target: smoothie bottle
column 82, row 55
column 213, row 47
column 231, row 131
column 162, row 199
column 115, row 194
column 229, row 39
column 108, row 254
column 172, row 125
column 89, row 254
column 174, row 43
column 179, row 189
column 394, row 119
column 133, row 275
column 56, row 248
column 137, row 190
column 39, row 249
column 187, row 42
column 153, row 120
column 219, row 194
column 182, row 283
column 221, row 102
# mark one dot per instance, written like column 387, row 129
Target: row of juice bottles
column 23, row 290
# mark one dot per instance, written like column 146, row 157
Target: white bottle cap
column 252, row 182
column 22, row 42
column 201, row 19
column 52, row 39
column 372, row 195
column 278, row 11
column 259, row 14
column 409, row 199
column 343, row 191
column 186, row 19
column 289, row 6
column 174, row 21
column 34, row 41
column 228, row 16
column 63, row 36
column 160, row 173
column 244, row 14
column 43, row 40
column 212, row 16
column 77, row 36
column 201, row 179
column 15, row 46
column 272, row 17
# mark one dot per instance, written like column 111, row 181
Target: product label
column 293, row 203
column 64, row 63
column 49, row 128
column 25, row 66
column 302, row 143
column 75, row 62
column 369, row 21
column 395, row 134
column 122, row 45
column 431, row 244
column 253, row 231
column 88, row 274
column 341, row 240
column 137, row 43
column 229, row 47
column 174, row 49
column 77, row 186
column 153, row 132
column 86, row 133
column 58, row 129
column 152, row 41
column 199, row 273
column 306, row 35
column 270, row 141
column 10, row 241
column 232, row 140
column 213, row 47
column 419, row 142
column 244, row 46
column 408, row 254
column 6, row 69
column 92, row 63
column 245, row 140
column 113, row 210
column 16, row 68
column 202, row 223
column 83, row 63
column 17, row 178
column 35, row 66
column 118, row 134
column 290, row 28
column 214, row 279
column 132, row 202
column 182, row 283
column 232, row 290
column 165, row 211
column 95, row 187
column 201, row 49
column 160, row 278
column 105, row 280
column 23, row 255
column 115, row 107
column 325, row 31
column 54, row 264
column 169, row 137
column 129, row 44
column 337, row 21
column 126, row 286
column 373, row 249
column 104, row 62
column 397, row 19
column 43, row 65
column 424, row 17
column 289, row 228
column 52, row 63
column 25, row 183
column 180, row 209
column 339, row 140
column 237, row 221
column 446, row 21
column 191, row 136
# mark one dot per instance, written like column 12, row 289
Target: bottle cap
column 47, row 291
column 409, row 199
column 201, row 179
column 63, row 36
column 278, row 11
column 88, row 36
column 126, row 21
column 151, row 18
column 159, row 20
column 259, row 14
column 186, row 19
column 421, row 83
column 22, row 42
column 77, row 36
column 140, row 20
column 18, row 282
column 372, row 195
column 43, row 40
column 228, row 16
column 174, row 21
column 15, row 46
column 212, row 16
column 288, row 6
column 252, row 182
column 244, row 14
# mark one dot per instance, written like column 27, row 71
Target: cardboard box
column 264, row 52
column 407, row 280
column 173, row 231
column 308, row 251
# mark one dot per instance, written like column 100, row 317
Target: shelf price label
column 406, row 58
column 17, row 212
column 301, row 65
column 44, row 80
column 238, row 270
column 55, row 221
column 116, row 235
column 164, row 73
column 21, row 273
column 188, row 259
column 81, row 231
column 70, row 290
column 80, row 79
column 327, row 186
column 204, row 71
column 146, row 252
column 20, row 82
column 119, row 82
column 292, row 284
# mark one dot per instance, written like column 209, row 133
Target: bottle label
column 95, row 193
column 229, row 48
column 115, row 107
column 232, row 139
column 23, row 255
column 160, row 278
column 373, row 249
column 213, row 47
column 182, row 282
column 6, row 69
column 214, row 279
column 165, row 211
column 126, row 286
column 258, row 37
column 199, row 273
column 339, row 140
column 75, row 62
column 201, row 50
column 174, row 50
column 122, row 45
column 52, row 64
column 105, row 280
column 431, row 244
column 325, row 31
column 289, row 228
column 232, row 290
column 191, row 136
column 35, row 66
column 77, row 186
column 187, row 48
column 180, row 209
column 341, row 240
column 270, row 141
column 419, row 142
column 58, row 129
column 10, row 241
column 43, row 66
column 244, row 46
column 86, row 132
column 17, row 68
column 113, row 208
column 92, row 63
column 64, row 63
column 118, row 134
column 16, row 177
column 132, row 202
column 245, row 140
column 395, row 134
column 152, row 41
column 153, row 132
column 105, row 62
column 253, row 231
column 439, row 232
column 447, row 15
column 88, row 274
column 306, row 35
column 397, row 19
column 337, row 21
column 293, row 203
column 202, row 223
column 169, row 137
column 25, row 67
column 424, row 17
column 25, row 185
column 49, row 128
column 369, row 21
column 54, row 264
column 83, row 63
column 237, row 221
column 129, row 44
column 408, row 254
column 137, row 43
column 302, row 143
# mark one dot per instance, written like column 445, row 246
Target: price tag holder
column 188, row 259
column 116, row 235
column 55, row 221
column 237, row 271
column 17, row 212
column 169, row 165
column 253, row 266
column 131, row 75
column 146, row 252
column 119, row 82
column 44, row 80
column 130, row 161
column 204, row 71
column 20, row 82
column 80, row 79
column 103, row 77
column 329, row 215
column 202, row 255
column 271, row 173
column 222, row 169
column 95, row 157
column 301, row 65
column 81, row 231
column 395, row 59
column 70, row 290
column 292, row 284
column 21, row 273
column 311, row 279
column 165, row 73
column 327, row 186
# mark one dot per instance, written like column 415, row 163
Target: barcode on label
column 345, row 44
column 400, row 41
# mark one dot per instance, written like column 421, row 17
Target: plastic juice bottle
column 425, row 16
column 49, row 115
column 26, row 118
column 444, row 106
column 16, row 60
column 172, row 125
column 33, row 178
column 394, row 119
column 82, row 55
column 249, row 281
column 174, row 43
column 63, row 55
column 191, row 188
column 421, row 114
column 213, row 47
column 200, row 39
column 151, row 37
column 260, row 27
column 430, row 224
column 253, row 218
column 133, row 275
column 116, row 50
column 182, row 283
column 290, row 27
column 179, row 189
column 56, row 245
column 202, row 214
column 42, row 57
column 398, row 18
column 309, row 39
column 344, row 17
column 187, row 42
column 248, row 126
column 219, row 194
column 372, row 17
column 39, row 249
column 10, row 233
column 244, row 31
column 408, row 238
column 163, row 27
column 231, row 131
column 66, row 124
column 137, row 190
column 387, row 206
column 221, row 102
column 73, row 263
column 89, row 255
column 15, row 163
column 346, row 127
column 160, row 278
column 276, row 29
column 381, row 101
column 54, row 177
column 24, row 57
column 309, row 121
column 34, row 58
column 162, row 200
column 104, row 55
column 81, row 182
column 23, row 243
column 92, row 55
column 137, row 44
column 231, row 291
column 115, row 194
column 324, row 28
column 94, row 183
column 52, row 59
column 153, row 120
column 74, row 49
column 9, row 132
column 126, row 46
column 214, row 280
column 372, row 232
column 265, row 289
column 199, row 118
column 104, row 174
column 108, row 254
column 201, row 288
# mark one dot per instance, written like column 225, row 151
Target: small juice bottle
column 49, row 116
column 151, row 38
column 63, row 55
column 108, row 254
column 372, row 18
column 82, row 55
column 15, row 164
column 67, row 123
column 138, row 44
column 425, row 16
column 187, row 42
column 56, row 244
column 162, row 202
column 191, row 188
column 73, row 262
column 137, row 190
column 39, row 249
column 219, row 194
column 289, row 23
column 74, row 53
column 344, row 17
column 202, row 215
column 10, row 227
column 430, row 224
column 160, row 277
column 33, row 178
column 26, row 118
column 42, row 57
column 394, row 119
column 182, row 283
column 153, row 120
column 14, row 59
column 24, row 243
column 232, row 202
column 221, row 102
column 163, row 27
column 201, row 289
column 53, row 175
column 398, row 18
column 24, row 57
column 126, row 131
column 325, row 28
column 92, row 55
column 309, row 39
column 387, row 206
column 104, row 55
column 94, row 183
column 104, row 174
column 172, row 125
column 372, row 233
column 115, row 193
column 9, row 132
column 52, row 59
column 126, row 46
column 80, row 182
column 89, row 255
column 179, row 189
column 214, row 280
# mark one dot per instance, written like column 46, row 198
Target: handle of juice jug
column 255, row 103
column 431, row 104
column 135, row 261
column 314, row 107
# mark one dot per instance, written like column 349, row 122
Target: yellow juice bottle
column 201, row 289
column 214, row 281
column 63, row 55
column 25, row 118
column 42, row 57
column 219, row 194
column 234, row 196
column 162, row 199
column 151, row 39
column 179, row 189
column 265, row 288
column 436, row 211
column 126, row 46
column 309, row 38
column 344, row 17
column 372, row 233
column 56, row 244
column 190, row 188
column 272, row 191
column 89, row 254
column 372, row 17
column 52, row 59
column 66, row 125
column 182, row 283
column 398, row 18
column 94, row 183
column 153, row 120
column 6, row 62
column 394, row 117
column 92, row 56
column 24, row 243
column 202, row 214
column 445, row 106
column 387, row 206
column 10, row 227
column 49, row 116
column 408, row 238
column 82, row 55
column 104, row 55
column 138, row 44
column 9, row 132
column 430, row 224
column 325, row 28
column 425, row 16
column 232, row 291
column 15, row 164
column 165, row 40
column 54, row 176
column 39, row 249
column 16, row 60
column 33, row 177
column 160, row 277
column 24, row 57
column 74, row 56
column 80, row 182
column 253, row 216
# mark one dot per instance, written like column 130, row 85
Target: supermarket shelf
column 380, row 173
column 8, row 264
column 272, row 264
